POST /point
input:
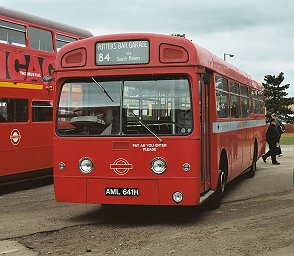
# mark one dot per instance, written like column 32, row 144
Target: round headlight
column 86, row 165
column 158, row 165
column 177, row 197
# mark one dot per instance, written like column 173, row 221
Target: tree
column 275, row 97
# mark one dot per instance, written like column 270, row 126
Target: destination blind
column 122, row 53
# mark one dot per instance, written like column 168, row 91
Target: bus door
column 204, row 127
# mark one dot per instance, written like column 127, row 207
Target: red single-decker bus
column 150, row 119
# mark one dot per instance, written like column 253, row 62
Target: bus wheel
column 252, row 170
column 216, row 198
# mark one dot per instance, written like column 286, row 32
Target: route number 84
column 102, row 57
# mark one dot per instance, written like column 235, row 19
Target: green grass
column 287, row 139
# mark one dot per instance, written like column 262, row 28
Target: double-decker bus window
column 40, row 39
column 235, row 100
column 13, row 110
column 11, row 33
column 244, row 100
column 63, row 40
column 222, row 97
column 42, row 111
column 3, row 111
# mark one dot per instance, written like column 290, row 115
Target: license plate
column 122, row 192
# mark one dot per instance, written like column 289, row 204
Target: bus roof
column 6, row 12
column 209, row 60
column 197, row 55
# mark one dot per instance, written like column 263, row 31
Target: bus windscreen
column 125, row 107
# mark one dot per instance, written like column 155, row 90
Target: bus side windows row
column 16, row 110
column 42, row 111
column 39, row 39
column 11, row 33
column 235, row 100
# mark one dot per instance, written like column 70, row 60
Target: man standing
column 272, row 138
column 281, row 129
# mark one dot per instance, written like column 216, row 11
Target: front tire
column 216, row 198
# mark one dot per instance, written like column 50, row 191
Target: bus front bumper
column 168, row 191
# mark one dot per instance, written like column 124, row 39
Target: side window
column 244, row 100
column 235, row 100
column 63, row 40
column 40, row 39
column 11, row 33
column 261, row 103
column 251, row 111
column 255, row 102
column 13, row 110
column 42, row 111
column 222, row 97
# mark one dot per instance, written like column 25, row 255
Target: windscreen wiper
column 102, row 88
column 142, row 123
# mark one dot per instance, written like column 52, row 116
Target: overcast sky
column 260, row 33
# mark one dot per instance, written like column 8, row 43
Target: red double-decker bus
column 150, row 119
column 28, row 47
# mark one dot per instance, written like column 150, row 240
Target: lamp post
column 228, row 54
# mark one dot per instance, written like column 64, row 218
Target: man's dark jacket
column 272, row 134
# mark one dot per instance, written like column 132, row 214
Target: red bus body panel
column 71, row 185
column 27, row 146
column 34, row 150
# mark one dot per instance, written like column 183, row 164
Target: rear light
column 86, row 165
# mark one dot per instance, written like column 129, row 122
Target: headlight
column 158, row 165
column 177, row 197
column 86, row 165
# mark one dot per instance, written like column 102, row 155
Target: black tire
column 252, row 171
column 215, row 200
